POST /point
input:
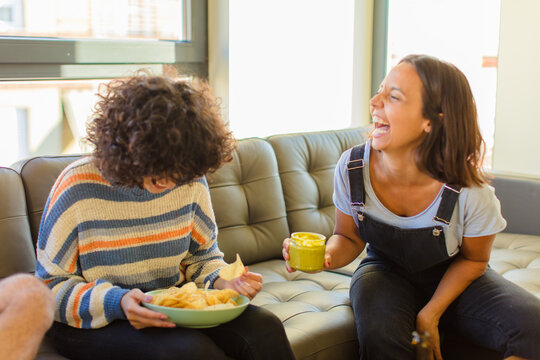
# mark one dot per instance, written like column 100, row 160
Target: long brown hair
column 453, row 151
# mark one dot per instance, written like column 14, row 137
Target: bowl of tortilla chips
column 192, row 307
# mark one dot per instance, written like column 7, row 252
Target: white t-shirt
column 477, row 213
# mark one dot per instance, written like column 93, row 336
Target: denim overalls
column 413, row 249
column 400, row 273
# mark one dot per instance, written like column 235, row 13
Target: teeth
column 379, row 121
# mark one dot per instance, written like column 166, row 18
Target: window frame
column 380, row 44
column 32, row 58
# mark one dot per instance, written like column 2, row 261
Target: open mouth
column 381, row 127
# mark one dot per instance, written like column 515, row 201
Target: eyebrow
column 397, row 89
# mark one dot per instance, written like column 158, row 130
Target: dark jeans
column 256, row 334
column 492, row 312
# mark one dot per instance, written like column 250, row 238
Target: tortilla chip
column 233, row 270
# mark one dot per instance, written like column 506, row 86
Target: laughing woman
column 416, row 195
column 136, row 216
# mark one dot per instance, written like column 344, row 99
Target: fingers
column 248, row 289
column 251, row 276
column 288, row 267
column 327, row 260
column 437, row 348
column 285, row 254
column 139, row 316
column 140, row 322
column 249, row 284
column 285, row 250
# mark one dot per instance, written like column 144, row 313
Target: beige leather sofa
column 273, row 187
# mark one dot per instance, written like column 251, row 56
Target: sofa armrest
column 520, row 202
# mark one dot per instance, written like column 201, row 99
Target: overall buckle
column 351, row 167
column 359, row 207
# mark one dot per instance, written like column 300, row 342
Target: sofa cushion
column 306, row 167
column 314, row 308
column 38, row 175
column 248, row 203
column 17, row 252
column 517, row 258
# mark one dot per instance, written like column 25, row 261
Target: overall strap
column 446, row 208
column 355, row 168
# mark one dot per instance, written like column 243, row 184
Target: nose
column 375, row 101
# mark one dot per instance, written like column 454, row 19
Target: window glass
column 463, row 32
column 98, row 19
column 44, row 117
column 291, row 66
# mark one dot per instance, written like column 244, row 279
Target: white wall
column 517, row 117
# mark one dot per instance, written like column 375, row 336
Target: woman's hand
column 248, row 284
column 140, row 317
column 430, row 323
column 286, row 257
column 285, row 253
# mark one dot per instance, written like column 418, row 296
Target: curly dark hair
column 159, row 127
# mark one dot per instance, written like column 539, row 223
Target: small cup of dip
column 306, row 251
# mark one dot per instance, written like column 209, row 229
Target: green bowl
column 197, row 318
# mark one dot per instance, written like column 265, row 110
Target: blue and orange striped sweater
column 97, row 241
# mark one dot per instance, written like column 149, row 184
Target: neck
column 398, row 167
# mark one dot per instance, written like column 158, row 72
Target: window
column 100, row 19
column 11, row 15
column 463, row 32
column 51, row 66
column 291, row 66
column 13, row 120
column 80, row 39
column 44, row 117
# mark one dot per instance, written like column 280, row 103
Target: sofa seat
column 274, row 187
column 310, row 306
column 517, row 258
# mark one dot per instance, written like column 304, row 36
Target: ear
column 427, row 126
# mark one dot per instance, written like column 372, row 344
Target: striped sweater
column 97, row 241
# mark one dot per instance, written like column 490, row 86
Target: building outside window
column 54, row 54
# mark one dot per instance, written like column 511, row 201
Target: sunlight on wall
column 290, row 66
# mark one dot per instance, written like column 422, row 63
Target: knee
column 191, row 344
column 255, row 315
column 382, row 339
column 526, row 341
column 28, row 296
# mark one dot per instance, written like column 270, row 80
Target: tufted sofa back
column 17, row 251
column 254, row 212
column 38, row 175
column 306, row 167
column 248, row 202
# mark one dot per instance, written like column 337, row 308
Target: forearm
column 204, row 264
column 219, row 283
column 73, row 292
column 459, row 275
column 342, row 250
column 26, row 313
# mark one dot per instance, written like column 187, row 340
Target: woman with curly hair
column 136, row 216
